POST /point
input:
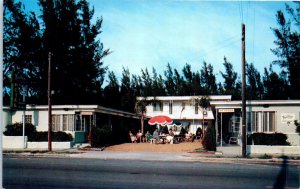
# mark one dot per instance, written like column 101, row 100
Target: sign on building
column 231, row 110
column 287, row 117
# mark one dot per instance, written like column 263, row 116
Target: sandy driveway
column 147, row 147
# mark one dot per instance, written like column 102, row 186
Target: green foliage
column 204, row 102
column 255, row 86
column 208, row 79
column 30, row 131
column 112, row 93
column 265, row 156
column 275, row 85
column 101, row 136
column 73, row 39
column 68, row 30
column 16, row 129
column 56, row 137
column 287, row 46
column 169, row 81
column 269, row 139
column 231, row 85
column 209, row 140
column 21, row 48
column 297, row 124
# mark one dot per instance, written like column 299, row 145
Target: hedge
column 56, row 137
column 101, row 136
column 16, row 129
column 268, row 139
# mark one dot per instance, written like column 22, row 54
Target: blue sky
column 152, row 33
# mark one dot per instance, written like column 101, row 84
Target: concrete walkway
column 148, row 156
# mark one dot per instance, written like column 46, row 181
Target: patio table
column 163, row 138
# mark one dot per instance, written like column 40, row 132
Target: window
column 171, row 107
column 261, row 121
column 63, row 122
column 68, row 122
column 157, row 106
column 56, row 123
column 235, row 122
column 79, row 123
column 28, row 118
column 196, row 108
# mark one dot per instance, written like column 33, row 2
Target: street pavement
column 108, row 173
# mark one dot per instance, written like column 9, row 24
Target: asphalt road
column 93, row 173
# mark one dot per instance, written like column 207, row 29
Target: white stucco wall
column 14, row 142
column 39, row 117
column 279, row 150
column 282, row 126
column 178, row 112
column 6, row 119
column 44, row 145
column 184, row 115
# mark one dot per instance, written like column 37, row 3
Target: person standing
column 156, row 135
column 139, row 136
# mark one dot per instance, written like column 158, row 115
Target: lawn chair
column 233, row 140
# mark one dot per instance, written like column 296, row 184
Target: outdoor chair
column 152, row 140
column 233, row 140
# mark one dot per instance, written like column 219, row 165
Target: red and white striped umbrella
column 160, row 120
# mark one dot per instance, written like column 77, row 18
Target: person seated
column 199, row 133
column 171, row 133
column 148, row 136
column 170, row 137
column 139, row 136
column 188, row 136
column 132, row 137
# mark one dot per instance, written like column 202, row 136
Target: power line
column 253, row 37
column 241, row 11
column 225, row 43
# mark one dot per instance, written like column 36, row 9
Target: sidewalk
column 147, row 156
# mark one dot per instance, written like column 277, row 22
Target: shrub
column 56, row 137
column 101, row 136
column 209, row 140
column 16, row 129
column 269, row 139
column 297, row 124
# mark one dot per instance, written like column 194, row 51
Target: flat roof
column 256, row 102
column 179, row 98
column 83, row 108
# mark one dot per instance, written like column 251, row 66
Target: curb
column 149, row 156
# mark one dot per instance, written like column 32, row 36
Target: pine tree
column 275, row 86
column 78, row 71
column 112, row 96
column 208, row 79
column 288, row 47
column 254, row 83
column 22, row 47
column 231, row 84
column 169, row 81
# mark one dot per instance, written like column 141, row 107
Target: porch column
column 216, row 126
column 221, row 129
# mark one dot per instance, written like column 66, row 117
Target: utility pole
column 244, row 141
column 1, row 94
column 24, row 121
column 49, row 104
